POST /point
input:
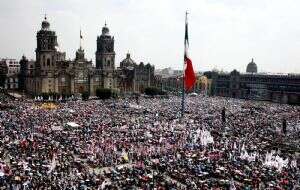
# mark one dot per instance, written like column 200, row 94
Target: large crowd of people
column 144, row 143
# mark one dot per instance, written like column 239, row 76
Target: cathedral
column 52, row 73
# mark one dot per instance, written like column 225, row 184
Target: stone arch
column 48, row 62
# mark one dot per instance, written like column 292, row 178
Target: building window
column 44, row 60
column 53, row 58
column 48, row 62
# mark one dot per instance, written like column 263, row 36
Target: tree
column 153, row 91
column 85, row 95
column 104, row 93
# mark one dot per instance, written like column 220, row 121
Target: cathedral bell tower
column 105, row 55
column 46, row 57
column 46, row 48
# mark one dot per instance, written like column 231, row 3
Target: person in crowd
column 99, row 144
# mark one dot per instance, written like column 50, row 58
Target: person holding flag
column 189, row 77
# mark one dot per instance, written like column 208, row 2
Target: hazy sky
column 224, row 34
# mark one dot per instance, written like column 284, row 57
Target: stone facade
column 135, row 77
column 174, row 83
column 3, row 73
column 12, row 82
column 267, row 87
column 9, row 74
column 51, row 72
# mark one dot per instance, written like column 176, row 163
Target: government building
column 279, row 88
column 52, row 73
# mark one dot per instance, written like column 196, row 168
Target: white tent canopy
column 194, row 94
column 72, row 124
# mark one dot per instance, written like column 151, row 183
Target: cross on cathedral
column 81, row 37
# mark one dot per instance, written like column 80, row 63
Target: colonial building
column 26, row 71
column 9, row 73
column 135, row 77
column 174, row 83
column 105, row 59
column 42, row 75
column 51, row 72
column 267, row 87
column 3, row 73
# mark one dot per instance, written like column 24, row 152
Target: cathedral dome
column 127, row 62
column 45, row 24
column 251, row 67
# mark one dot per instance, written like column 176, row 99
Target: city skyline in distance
column 223, row 35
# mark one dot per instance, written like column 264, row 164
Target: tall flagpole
column 183, row 71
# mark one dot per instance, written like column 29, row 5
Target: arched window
column 53, row 58
column 48, row 62
column 44, row 60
